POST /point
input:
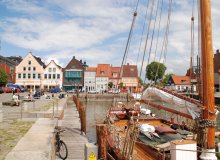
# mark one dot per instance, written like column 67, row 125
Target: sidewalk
column 72, row 136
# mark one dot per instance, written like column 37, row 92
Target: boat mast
column 207, row 78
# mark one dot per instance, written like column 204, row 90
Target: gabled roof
column 77, row 63
column 91, row 69
column 39, row 60
column 54, row 63
column 130, row 71
column 181, row 80
column 103, row 70
column 115, row 70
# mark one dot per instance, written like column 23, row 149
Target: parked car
column 15, row 87
column 7, row 90
column 92, row 92
column 1, row 90
column 55, row 90
column 37, row 94
column 72, row 91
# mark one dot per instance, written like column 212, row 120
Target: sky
column 96, row 31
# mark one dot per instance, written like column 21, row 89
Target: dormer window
column 183, row 81
column 114, row 74
column 102, row 72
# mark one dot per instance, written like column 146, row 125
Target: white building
column 90, row 79
column 52, row 76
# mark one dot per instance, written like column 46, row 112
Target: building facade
column 90, row 79
column 115, row 77
column 8, row 66
column 180, row 84
column 130, row 78
column 217, row 71
column 29, row 72
column 102, row 77
column 52, row 76
column 73, row 75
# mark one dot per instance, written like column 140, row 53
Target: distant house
column 115, row 77
column 29, row 72
column 217, row 71
column 73, row 75
column 180, row 83
column 102, row 77
column 90, row 79
column 9, row 67
column 52, row 76
column 130, row 77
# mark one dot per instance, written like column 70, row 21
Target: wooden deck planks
column 72, row 136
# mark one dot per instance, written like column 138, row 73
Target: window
column 49, row 76
column 29, row 75
column 29, row 68
column 54, row 69
column 54, row 76
column 29, row 62
column 73, row 66
column 58, row 76
column 24, row 68
column 39, row 76
column 34, row 68
column 19, row 75
column 45, row 76
column 50, row 70
column 102, row 72
column 24, row 75
column 34, row 76
column 114, row 75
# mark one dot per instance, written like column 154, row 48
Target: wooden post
column 101, row 132
column 207, row 76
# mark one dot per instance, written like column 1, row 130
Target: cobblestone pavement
column 34, row 109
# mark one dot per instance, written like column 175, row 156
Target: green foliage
column 140, row 81
column 110, row 84
column 3, row 77
column 166, row 78
column 121, row 85
column 155, row 71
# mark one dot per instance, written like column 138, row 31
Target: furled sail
column 155, row 93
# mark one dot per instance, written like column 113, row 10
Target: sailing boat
column 206, row 122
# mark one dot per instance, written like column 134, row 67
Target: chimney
column 217, row 51
column 73, row 57
column 80, row 61
column 84, row 62
column 127, row 64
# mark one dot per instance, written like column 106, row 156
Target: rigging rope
column 148, row 30
column 145, row 19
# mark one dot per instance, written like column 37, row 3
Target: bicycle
column 61, row 148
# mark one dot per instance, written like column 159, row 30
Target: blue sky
column 96, row 30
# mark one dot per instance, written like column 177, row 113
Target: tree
column 155, row 71
column 166, row 78
column 140, row 81
column 110, row 84
column 121, row 85
column 3, row 77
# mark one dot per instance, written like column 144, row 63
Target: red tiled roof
column 129, row 71
column 180, row 80
column 103, row 70
column 91, row 69
column 115, row 70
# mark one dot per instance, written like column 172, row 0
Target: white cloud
column 96, row 31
